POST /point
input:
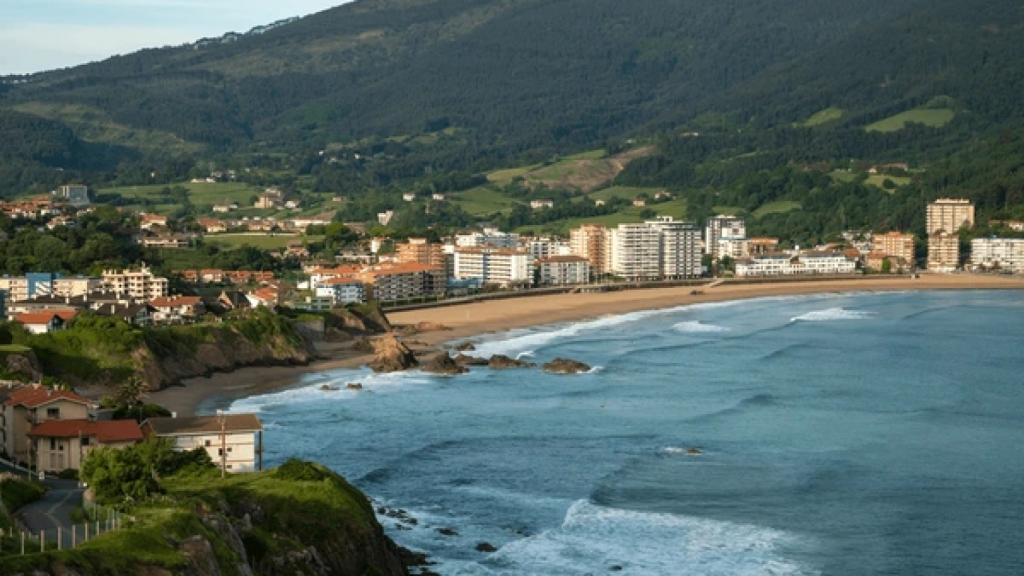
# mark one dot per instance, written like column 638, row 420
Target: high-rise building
column 590, row 241
column 943, row 252
column 635, row 251
column 75, row 194
column 897, row 246
column 563, row 270
column 489, row 237
column 722, row 227
column 680, row 255
column 949, row 215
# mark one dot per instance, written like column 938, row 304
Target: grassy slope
column 935, row 118
column 824, row 116
column 483, row 201
column 198, row 193
column 674, row 208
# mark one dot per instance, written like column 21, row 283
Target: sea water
column 837, row 434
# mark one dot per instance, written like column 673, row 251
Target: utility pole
column 223, row 419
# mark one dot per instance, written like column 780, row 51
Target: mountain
column 494, row 80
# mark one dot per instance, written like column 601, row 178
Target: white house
column 341, row 291
column 541, row 204
column 786, row 265
column 236, row 440
column 494, row 266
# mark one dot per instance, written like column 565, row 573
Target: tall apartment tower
column 419, row 251
column 722, row 227
column 949, row 215
column 590, row 241
column 945, row 218
column 680, row 247
column 896, row 245
column 635, row 251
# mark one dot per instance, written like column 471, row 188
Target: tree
column 886, row 266
column 134, row 473
column 131, row 393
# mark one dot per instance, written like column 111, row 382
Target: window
column 53, row 413
column 229, row 448
column 85, row 440
column 207, row 443
column 53, row 443
column 220, row 451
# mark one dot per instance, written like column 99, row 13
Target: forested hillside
column 715, row 99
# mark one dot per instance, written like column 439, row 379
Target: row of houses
column 55, row 430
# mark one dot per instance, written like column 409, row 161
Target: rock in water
column 485, row 547
column 390, row 355
column 465, row 347
column 501, row 362
column 565, row 366
column 464, row 360
column 443, row 364
column 354, row 386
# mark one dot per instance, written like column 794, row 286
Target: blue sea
column 838, row 434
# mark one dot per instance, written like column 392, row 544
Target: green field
column 843, row 176
column 503, row 176
column 483, row 200
column 824, row 116
column 935, row 118
column 199, row 193
column 261, row 241
column 778, row 207
column 729, row 210
column 625, row 192
column 878, row 181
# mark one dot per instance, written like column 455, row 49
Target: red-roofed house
column 40, row 322
column 176, row 309
column 32, row 405
column 266, row 297
column 61, row 444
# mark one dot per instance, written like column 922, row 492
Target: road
column 53, row 510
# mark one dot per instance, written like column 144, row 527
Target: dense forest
column 742, row 104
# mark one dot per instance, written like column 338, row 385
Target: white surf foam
column 595, row 370
column 832, row 314
column 594, row 539
column 698, row 327
column 313, row 393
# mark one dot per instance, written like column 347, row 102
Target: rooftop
column 34, row 396
column 195, row 425
column 104, row 431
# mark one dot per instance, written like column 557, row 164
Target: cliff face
column 298, row 519
column 225, row 351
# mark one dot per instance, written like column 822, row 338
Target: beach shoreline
column 473, row 320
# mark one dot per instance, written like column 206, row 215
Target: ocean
column 837, row 434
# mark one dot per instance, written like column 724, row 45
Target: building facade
column 943, row 252
column 490, row 237
column 998, row 253
column 949, row 215
column 232, row 440
column 139, row 284
column 679, row 245
column 590, row 241
column 58, row 445
column 807, row 263
column 897, row 246
column 403, row 282
column 420, row 251
column 33, row 405
column 635, row 252
column 503, row 267
column 722, row 226
column 341, row 291
column 563, row 270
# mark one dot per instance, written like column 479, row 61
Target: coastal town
column 396, row 271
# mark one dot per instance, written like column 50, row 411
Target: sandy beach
column 466, row 321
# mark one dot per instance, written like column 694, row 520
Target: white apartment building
column 807, row 263
column 541, row 248
column 489, row 237
column 236, row 440
column 680, row 255
column 732, row 247
column 722, row 226
column 563, row 270
column 635, row 251
column 341, row 291
column 494, row 266
column 1001, row 253
column 140, row 284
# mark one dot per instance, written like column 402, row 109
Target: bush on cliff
column 133, row 473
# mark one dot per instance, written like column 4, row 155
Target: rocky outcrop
column 390, row 355
column 502, row 362
column 443, row 364
column 465, row 347
column 410, row 329
column 464, row 360
column 360, row 319
column 565, row 366
column 22, row 364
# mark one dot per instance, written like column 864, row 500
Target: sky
column 38, row 35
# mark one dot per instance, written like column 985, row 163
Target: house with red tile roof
column 62, row 444
column 177, row 309
column 40, row 322
column 30, row 406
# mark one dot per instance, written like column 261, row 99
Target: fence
column 21, row 541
